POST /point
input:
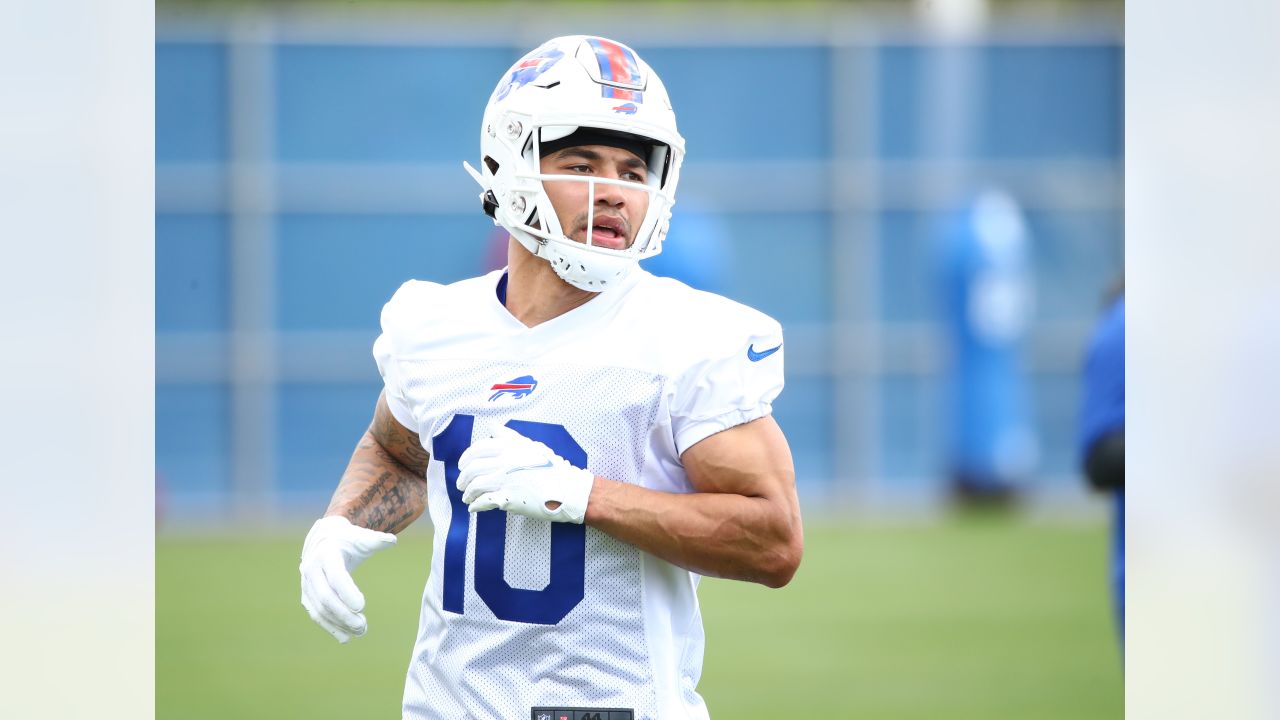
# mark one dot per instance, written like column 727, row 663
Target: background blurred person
column 697, row 251
column 987, row 293
column 1102, row 432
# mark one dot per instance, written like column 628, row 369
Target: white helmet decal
column 567, row 84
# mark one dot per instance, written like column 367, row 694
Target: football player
column 587, row 438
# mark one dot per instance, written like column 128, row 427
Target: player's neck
column 535, row 293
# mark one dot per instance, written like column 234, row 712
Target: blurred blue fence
column 300, row 179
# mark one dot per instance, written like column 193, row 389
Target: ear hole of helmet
column 666, row 166
column 492, row 164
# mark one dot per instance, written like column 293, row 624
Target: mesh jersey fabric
column 519, row 612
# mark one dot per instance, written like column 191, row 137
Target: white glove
column 332, row 550
column 511, row 472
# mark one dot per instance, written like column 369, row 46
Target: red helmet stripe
column 617, row 65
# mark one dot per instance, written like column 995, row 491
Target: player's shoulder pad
column 411, row 302
column 711, row 324
column 421, row 310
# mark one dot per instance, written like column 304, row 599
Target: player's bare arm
column 384, row 487
column 742, row 522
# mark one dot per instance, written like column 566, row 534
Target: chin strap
column 474, row 173
column 488, row 202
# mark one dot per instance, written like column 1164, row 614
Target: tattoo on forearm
column 384, row 505
column 385, row 485
column 378, row 492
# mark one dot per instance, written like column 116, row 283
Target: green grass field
column 982, row 618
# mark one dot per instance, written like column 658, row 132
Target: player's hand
column 332, row 550
column 511, row 472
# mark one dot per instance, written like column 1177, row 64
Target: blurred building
column 308, row 163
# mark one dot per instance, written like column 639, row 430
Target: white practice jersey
column 521, row 613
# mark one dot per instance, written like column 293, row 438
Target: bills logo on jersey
column 518, row 388
column 619, row 71
column 626, row 108
column 528, row 70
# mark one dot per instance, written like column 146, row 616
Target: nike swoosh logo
column 754, row 356
column 529, row 467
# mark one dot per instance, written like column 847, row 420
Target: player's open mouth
column 608, row 232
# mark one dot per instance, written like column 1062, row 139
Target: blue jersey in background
column 1102, row 413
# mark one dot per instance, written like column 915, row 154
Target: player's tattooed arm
column 385, row 486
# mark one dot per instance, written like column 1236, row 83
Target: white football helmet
column 569, row 83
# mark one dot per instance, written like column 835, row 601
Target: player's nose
column 611, row 195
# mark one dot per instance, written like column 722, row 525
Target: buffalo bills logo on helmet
column 626, row 108
column 528, row 70
column 518, row 388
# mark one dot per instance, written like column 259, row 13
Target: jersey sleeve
column 398, row 317
column 733, row 384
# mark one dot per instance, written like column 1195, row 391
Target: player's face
column 618, row 210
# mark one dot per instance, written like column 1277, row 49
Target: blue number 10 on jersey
column 547, row 606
